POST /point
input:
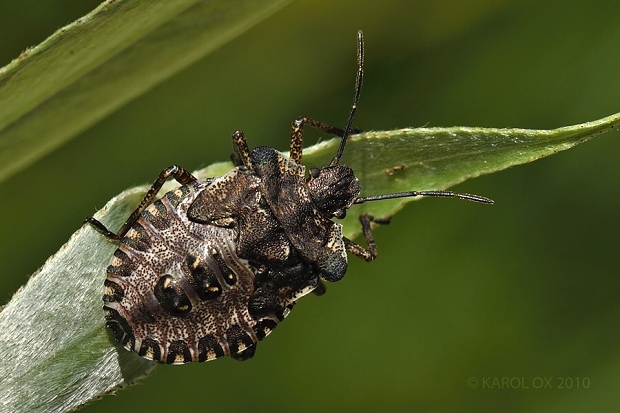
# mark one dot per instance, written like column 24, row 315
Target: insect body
column 212, row 267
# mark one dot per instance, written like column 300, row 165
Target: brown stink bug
column 212, row 267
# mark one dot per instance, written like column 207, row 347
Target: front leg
column 180, row 174
column 370, row 253
column 297, row 135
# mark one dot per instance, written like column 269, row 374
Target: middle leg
column 369, row 253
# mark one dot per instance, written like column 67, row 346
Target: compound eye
column 314, row 172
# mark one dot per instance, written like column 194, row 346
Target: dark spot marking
column 175, row 197
column 113, row 292
column 137, row 238
column 124, row 265
column 238, row 339
column 171, row 296
column 150, row 346
column 264, row 327
column 205, row 282
column 178, row 348
column 229, row 276
column 246, row 354
column 209, row 348
column 159, row 217
column 120, row 327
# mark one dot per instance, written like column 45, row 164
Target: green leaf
column 437, row 158
column 55, row 349
column 93, row 66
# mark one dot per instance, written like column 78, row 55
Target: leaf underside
column 49, row 366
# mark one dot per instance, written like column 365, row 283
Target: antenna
column 358, row 88
column 437, row 194
column 410, row 194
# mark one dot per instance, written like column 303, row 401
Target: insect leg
column 297, row 134
column 370, row 253
column 320, row 289
column 241, row 155
column 180, row 174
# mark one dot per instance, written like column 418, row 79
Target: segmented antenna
column 358, row 88
column 360, row 200
column 438, row 194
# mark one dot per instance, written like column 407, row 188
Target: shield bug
column 213, row 266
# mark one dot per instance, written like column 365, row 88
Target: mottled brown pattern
column 165, row 252
column 212, row 267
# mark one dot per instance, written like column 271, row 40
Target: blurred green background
column 528, row 288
